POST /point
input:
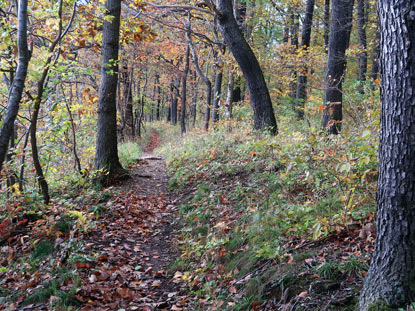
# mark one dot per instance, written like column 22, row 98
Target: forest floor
column 139, row 246
column 122, row 263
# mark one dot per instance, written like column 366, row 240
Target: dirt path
column 135, row 246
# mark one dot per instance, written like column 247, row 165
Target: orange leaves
column 131, row 32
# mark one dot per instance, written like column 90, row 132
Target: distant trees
column 341, row 25
column 287, row 38
column 301, row 94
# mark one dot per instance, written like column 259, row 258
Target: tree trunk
column 361, row 28
column 106, row 155
column 41, row 86
column 44, row 188
column 22, row 160
column 11, row 175
column 175, row 100
column 389, row 284
column 195, row 88
column 229, row 95
column 305, row 44
column 341, row 25
column 208, row 99
column 128, row 99
column 158, row 97
column 168, row 118
column 18, row 82
column 326, row 24
column 264, row 117
column 139, row 119
column 77, row 162
column 375, row 57
column 153, row 99
column 184, row 86
column 294, row 25
column 202, row 76
column 217, row 93
column 286, row 35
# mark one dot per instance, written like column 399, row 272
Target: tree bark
column 341, row 25
column 18, row 84
column 106, row 155
column 389, row 284
column 301, row 95
column 264, row 117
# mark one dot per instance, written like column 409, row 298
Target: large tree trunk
column 341, row 25
column 389, row 284
column 264, row 117
column 184, row 86
column 18, row 82
column 361, row 28
column 106, row 155
column 305, row 44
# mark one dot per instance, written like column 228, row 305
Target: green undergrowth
column 129, row 152
column 252, row 199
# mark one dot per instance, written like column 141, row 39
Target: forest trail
column 136, row 244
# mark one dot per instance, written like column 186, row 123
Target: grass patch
column 128, row 153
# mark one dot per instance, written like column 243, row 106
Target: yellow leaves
column 151, row 36
column 81, row 219
column 3, row 45
column 16, row 189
